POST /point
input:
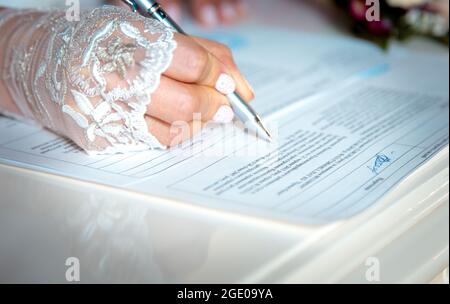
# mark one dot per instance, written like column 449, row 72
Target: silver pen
column 242, row 109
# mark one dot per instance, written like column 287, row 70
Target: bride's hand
column 115, row 81
column 195, row 85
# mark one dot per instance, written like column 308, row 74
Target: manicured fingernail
column 249, row 86
column 228, row 11
column 209, row 15
column 224, row 115
column 174, row 12
column 225, row 84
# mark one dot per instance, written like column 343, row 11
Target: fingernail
column 249, row 86
column 225, row 84
column 224, row 115
column 209, row 15
column 174, row 12
column 228, row 11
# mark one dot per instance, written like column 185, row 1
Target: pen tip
column 269, row 136
column 266, row 131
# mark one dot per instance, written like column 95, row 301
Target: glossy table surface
column 120, row 236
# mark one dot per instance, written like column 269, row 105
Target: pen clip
column 132, row 5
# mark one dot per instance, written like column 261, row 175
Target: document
column 350, row 123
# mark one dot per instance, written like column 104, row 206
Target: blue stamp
column 375, row 70
column 233, row 41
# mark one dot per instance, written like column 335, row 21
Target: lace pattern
column 90, row 80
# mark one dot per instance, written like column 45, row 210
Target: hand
column 200, row 76
column 116, row 81
column 208, row 13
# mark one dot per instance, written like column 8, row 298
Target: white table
column 120, row 236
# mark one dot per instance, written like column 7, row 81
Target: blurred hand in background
column 208, row 13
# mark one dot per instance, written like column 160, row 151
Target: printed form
column 351, row 123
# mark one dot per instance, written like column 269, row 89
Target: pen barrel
column 162, row 16
column 241, row 108
column 153, row 9
column 244, row 112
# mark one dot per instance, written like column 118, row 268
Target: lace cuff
column 90, row 80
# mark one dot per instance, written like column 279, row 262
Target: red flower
column 357, row 9
column 380, row 28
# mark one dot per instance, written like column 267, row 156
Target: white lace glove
column 91, row 80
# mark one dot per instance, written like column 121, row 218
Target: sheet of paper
column 350, row 126
column 285, row 67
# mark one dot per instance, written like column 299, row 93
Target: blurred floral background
column 398, row 19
